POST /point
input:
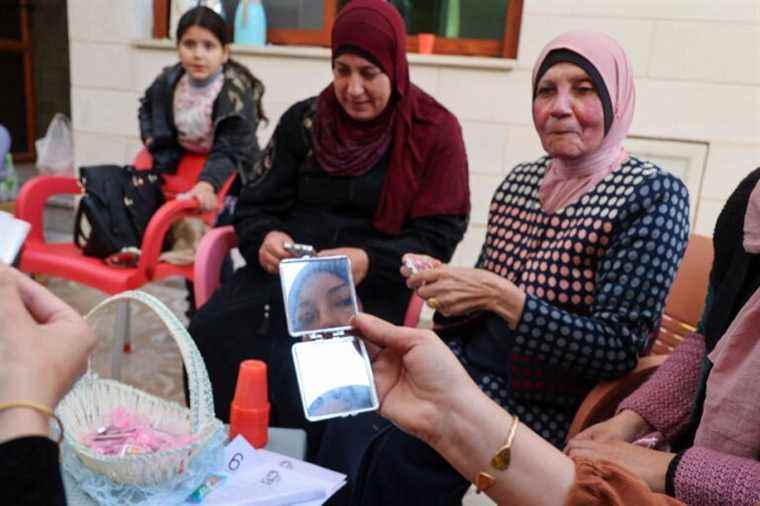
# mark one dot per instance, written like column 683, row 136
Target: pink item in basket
column 130, row 434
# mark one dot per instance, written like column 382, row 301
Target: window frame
column 504, row 48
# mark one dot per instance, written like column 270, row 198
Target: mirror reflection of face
column 324, row 301
column 343, row 399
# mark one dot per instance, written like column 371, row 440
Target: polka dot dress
column 596, row 274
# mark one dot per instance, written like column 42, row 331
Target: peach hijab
column 568, row 180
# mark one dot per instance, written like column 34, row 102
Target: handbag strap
column 201, row 399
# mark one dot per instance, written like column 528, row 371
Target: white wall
column 697, row 67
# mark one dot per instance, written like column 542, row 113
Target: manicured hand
column 272, row 250
column 358, row 257
column 650, row 465
column 416, row 375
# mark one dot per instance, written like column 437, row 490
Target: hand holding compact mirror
column 332, row 365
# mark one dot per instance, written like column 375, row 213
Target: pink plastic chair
column 215, row 246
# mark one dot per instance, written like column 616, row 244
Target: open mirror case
column 332, row 365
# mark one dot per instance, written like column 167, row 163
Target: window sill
column 322, row 53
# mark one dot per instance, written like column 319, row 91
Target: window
column 461, row 27
column 300, row 22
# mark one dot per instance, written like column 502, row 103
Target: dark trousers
column 386, row 466
column 234, row 326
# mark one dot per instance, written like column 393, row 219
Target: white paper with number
column 334, row 481
column 264, row 478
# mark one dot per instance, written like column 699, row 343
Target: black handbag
column 116, row 207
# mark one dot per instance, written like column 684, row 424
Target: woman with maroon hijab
column 371, row 168
column 580, row 251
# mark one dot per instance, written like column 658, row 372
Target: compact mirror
column 332, row 366
column 335, row 378
column 318, row 293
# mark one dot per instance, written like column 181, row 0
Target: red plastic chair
column 215, row 246
column 66, row 260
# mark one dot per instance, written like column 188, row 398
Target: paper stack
column 263, row 478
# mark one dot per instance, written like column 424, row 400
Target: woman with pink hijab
column 581, row 248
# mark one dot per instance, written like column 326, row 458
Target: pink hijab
column 568, row 180
column 731, row 416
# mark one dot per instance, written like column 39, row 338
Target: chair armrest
column 225, row 189
column 413, row 311
column 601, row 402
column 33, row 196
column 159, row 224
column 210, row 217
column 212, row 251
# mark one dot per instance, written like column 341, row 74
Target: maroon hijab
column 427, row 171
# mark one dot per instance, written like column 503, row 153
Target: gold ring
column 433, row 303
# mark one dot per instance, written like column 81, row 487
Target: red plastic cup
column 249, row 413
column 426, row 42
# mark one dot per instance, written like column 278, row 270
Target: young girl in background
column 207, row 103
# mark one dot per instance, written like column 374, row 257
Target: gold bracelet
column 500, row 461
column 40, row 409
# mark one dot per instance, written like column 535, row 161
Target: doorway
column 34, row 69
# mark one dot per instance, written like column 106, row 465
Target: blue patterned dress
column 596, row 273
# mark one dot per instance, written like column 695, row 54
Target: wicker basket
column 92, row 399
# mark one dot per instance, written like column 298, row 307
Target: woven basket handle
column 201, row 401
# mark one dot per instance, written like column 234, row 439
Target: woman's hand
column 650, row 465
column 627, row 426
column 44, row 345
column 417, row 377
column 204, row 193
column 273, row 250
column 458, row 291
column 358, row 257
column 426, row 392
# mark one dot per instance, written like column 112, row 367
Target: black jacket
column 235, row 119
column 293, row 194
column 30, row 472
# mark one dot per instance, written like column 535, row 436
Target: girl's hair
column 206, row 18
